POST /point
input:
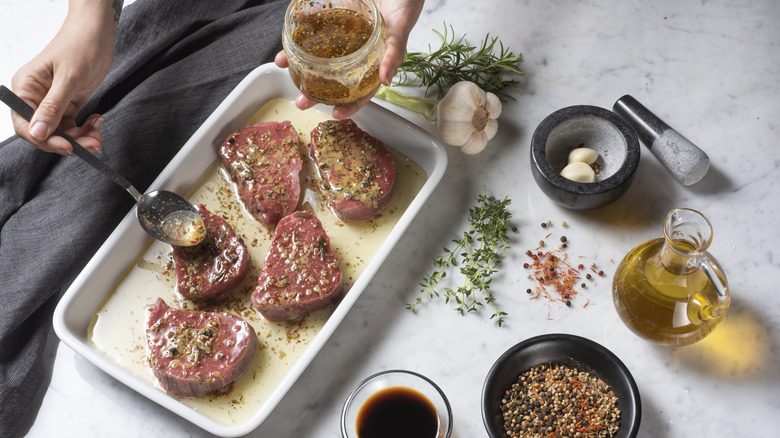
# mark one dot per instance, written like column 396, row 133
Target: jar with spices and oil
column 670, row 290
column 334, row 48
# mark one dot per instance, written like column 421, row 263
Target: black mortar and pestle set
column 615, row 135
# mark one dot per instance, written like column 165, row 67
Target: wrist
column 102, row 15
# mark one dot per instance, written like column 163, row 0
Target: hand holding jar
column 338, row 52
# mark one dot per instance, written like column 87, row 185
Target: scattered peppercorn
column 514, row 229
column 555, row 400
column 553, row 275
column 555, row 279
column 528, row 291
column 588, row 276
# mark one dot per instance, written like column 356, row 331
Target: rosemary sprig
column 478, row 253
column 457, row 61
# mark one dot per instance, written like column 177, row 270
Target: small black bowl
column 591, row 127
column 562, row 349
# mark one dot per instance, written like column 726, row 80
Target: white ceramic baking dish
column 76, row 309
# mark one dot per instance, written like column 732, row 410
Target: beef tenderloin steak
column 264, row 162
column 193, row 354
column 358, row 170
column 301, row 272
column 215, row 267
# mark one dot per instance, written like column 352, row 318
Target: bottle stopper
column 684, row 160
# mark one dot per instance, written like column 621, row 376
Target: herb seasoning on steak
column 358, row 170
column 216, row 266
column 301, row 272
column 193, row 354
column 264, row 162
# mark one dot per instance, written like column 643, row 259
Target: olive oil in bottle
column 670, row 290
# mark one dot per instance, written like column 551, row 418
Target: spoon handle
column 26, row 111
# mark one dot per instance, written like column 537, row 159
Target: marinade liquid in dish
column 118, row 327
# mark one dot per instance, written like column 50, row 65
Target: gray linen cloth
column 174, row 62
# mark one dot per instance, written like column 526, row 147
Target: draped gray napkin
column 174, row 62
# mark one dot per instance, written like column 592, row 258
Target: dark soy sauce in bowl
column 397, row 412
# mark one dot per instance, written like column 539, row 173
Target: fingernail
column 390, row 78
column 39, row 131
column 98, row 123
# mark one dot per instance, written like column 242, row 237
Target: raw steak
column 301, row 272
column 196, row 353
column 358, row 169
column 216, row 266
column 264, row 161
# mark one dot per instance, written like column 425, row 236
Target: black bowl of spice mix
column 560, row 385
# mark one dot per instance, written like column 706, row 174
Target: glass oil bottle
column 670, row 290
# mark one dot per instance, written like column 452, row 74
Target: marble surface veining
column 708, row 68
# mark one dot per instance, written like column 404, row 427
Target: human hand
column 59, row 80
column 400, row 17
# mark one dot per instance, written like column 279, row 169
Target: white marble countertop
column 708, row 68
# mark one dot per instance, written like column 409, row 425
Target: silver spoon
column 165, row 215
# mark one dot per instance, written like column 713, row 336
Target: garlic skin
column 585, row 155
column 466, row 117
column 579, row 171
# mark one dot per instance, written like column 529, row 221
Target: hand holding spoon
column 165, row 215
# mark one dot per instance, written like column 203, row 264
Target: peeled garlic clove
column 579, row 172
column 584, row 155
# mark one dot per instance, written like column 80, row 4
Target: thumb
column 50, row 111
column 395, row 48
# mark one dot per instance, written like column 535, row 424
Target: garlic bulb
column 466, row 117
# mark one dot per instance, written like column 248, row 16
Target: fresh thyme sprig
column 457, row 61
column 478, row 253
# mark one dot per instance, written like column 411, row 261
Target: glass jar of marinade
column 334, row 48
